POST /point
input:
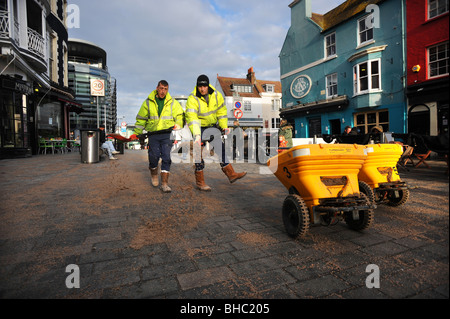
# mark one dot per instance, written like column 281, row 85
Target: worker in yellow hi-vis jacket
column 159, row 115
column 205, row 109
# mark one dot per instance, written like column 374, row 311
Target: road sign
column 238, row 105
column 97, row 87
column 124, row 124
column 238, row 114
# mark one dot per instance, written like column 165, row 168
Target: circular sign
column 238, row 114
column 124, row 124
column 301, row 86
column 238, row 105
column 97, row 85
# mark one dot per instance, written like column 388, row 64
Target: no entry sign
column 238, row 114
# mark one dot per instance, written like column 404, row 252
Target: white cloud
column 177, row 40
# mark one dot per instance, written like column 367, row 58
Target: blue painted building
column 345, row 68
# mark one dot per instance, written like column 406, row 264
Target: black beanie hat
column 203, row 80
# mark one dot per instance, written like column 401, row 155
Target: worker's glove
column 134, row 137
column 176, row 127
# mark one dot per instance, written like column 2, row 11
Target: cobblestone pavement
column 131, row 241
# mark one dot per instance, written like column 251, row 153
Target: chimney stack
column 251, row 76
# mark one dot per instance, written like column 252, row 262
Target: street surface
column 129, row 240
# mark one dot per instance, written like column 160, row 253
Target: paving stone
column 230, row 243
column 204, row 277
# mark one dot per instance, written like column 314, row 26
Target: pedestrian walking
column 206, row 109
column 159, row 115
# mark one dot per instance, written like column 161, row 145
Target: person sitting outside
column 282, row 144
column 347, row 130
column 108, row 146
column 286, row 131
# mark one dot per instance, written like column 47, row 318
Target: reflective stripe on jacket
column 149, row 120
column 201, row 114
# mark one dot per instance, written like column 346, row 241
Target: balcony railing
column 36, row 43
column 4, row 24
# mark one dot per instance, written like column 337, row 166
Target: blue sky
column 177, row 40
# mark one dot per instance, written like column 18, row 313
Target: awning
column 73, row 106
column 334, row 104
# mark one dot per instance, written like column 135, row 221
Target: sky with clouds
column 177, row 40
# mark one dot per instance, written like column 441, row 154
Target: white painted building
column 257, row 101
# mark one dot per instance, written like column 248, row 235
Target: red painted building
column 427, row 66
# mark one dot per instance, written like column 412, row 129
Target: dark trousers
column 201, row 166
column 159, row 147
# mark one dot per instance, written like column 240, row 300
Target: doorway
column 335, row 127
column 419, row 119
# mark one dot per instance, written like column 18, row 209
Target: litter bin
column 90, row 145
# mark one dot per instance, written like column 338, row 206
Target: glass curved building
column 87, row 62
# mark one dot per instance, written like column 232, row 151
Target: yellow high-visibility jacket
column 201, row 114
column 149, row 120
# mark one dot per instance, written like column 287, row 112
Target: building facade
column 35, row 98
column 88, row 62
column 427, row 66
column 345, row 68
column 255, row 103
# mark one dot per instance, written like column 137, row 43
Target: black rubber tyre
column 365, row 217
column 295, row 216
column 366, row 189
column 398, row 201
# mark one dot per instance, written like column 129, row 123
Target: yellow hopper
column 322, row 180
column 379, row 178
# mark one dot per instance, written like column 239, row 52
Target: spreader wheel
column 398, row 197
column 366, row 189
column 295, row 216
column 365, row 217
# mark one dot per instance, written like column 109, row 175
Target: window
column 366, row 121
column 276, row 123
column 269, row 88
column 247, row 106
column 365, row 29
column 367, row 77
column 330, row 45
column 243, row 88
column 332, row 85
column 276, row 104
column 437, row 7
column 438, row 60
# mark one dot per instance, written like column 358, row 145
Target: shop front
column 16, row 116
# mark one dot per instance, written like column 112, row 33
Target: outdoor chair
column 406, row 157
column 44, row 146
column 422, row 158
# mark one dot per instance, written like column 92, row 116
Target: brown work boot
column 200, row 182
column 155, row 179
column 165, row 183
column 231, row 174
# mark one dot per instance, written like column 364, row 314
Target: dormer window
column 242, row 88
column 269, row 88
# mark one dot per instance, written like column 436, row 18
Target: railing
column 36, row 43
column 4, row 24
